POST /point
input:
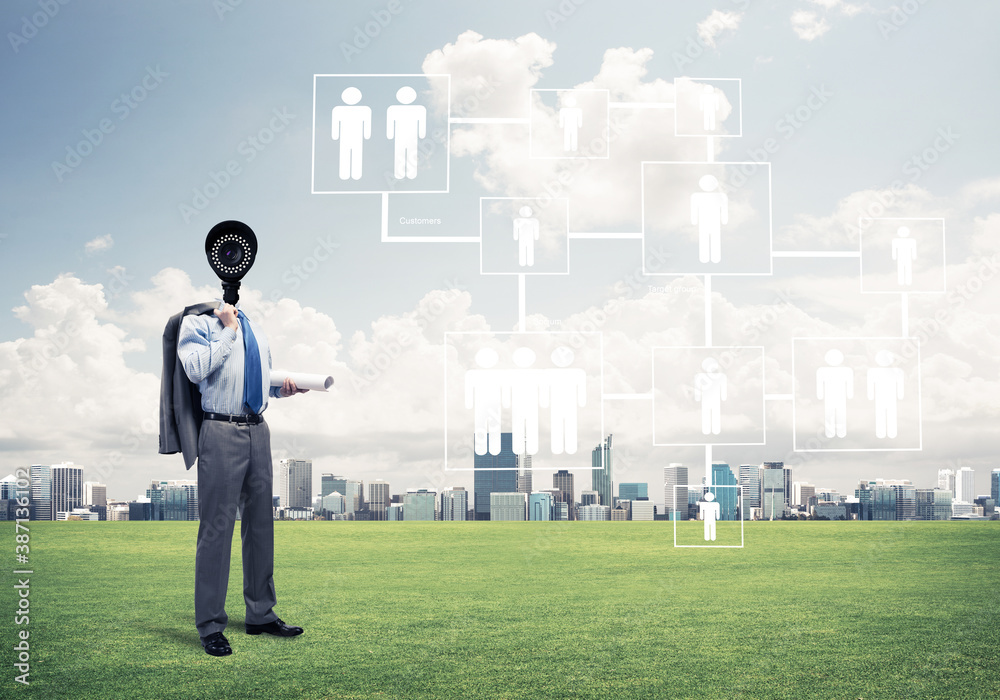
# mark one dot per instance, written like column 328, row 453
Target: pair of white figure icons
column 488, row 390
column 834, row 386
column 406, row 124
column 885, row 386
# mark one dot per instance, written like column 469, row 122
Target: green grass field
column 525, row 610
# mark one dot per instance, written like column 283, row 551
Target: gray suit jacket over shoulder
column 180, row 400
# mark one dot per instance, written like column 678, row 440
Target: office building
column 540, row 506
column 419, row 504
column 560, row 510
column 594, row 512
column 333, row 504
column 773, row 494
column 454, row 503
column 933, row 504
column 508, row 506
column 394, row 511
column 67, row 487
column 562, row 481
column 601, row 460
column 633, row 491
column 995, row 485
column 643, row 510
column 827, row 510
column 802, row 492
column 965, row 487
column 294, row 483
column 41, row 491
column 523, row 473
column 749, row 479
column 94, row 494
column 675, row 492
column 727, row 494
column 946, row 480
column 589, row 498
column 621, row 511
column 379, row 498
column 493, row 474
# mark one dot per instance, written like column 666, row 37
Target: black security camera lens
column 230, row 252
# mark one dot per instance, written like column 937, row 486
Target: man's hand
column 227, row 314
column 288, row 388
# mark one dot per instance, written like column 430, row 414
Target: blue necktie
column 253, row 396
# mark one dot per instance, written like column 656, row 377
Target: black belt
column 250, row 419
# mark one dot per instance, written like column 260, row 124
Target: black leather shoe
column 216, row 644
column 275, row 627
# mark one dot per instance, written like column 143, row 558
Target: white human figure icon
column 709, row 103
column 564, row 390
column 710, row 388
column 904, row 252
column 521, row 394
column 835, row 385
column 710, row 512
column 526, row 231
column 352, row 124
column 406, row 124
column 484, row 395
column 709, row 212
column 885, row 388
column 571, row 121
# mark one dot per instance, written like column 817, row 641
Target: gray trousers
column 234, row 473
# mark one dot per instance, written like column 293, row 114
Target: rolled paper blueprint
column 314, row 382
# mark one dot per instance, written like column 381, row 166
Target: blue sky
column 893, row 81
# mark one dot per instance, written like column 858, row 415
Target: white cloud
column 490, row 77
column 808, row 25
column 717, row 23
column 99, row 244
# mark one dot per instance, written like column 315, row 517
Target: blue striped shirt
column 212, row 357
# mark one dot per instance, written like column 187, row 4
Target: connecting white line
column 489, row 120
column 815, row 253
column 612, row 234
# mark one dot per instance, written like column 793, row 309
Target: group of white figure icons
column 709, row 212
column 526, row 232
column 406, row 124
column 835, row 385
column 562, row 389
column 571, row 121
column 904, row 252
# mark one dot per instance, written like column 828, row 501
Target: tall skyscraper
column 41, row 491
column 379, row 498
column 773, row 496
column 995, row 486
column 95, row 494
column 67, row 487
column 540, row 506
column 454, row 503
column 946, row 480
column 600, row 473
column 508, row 506
column 328, row 483
column 728, row 495
column 749, row 478
column 419, row 504
column 633, row 491
column 294, row 483
column 675, row 500
column 523, row 473
column 965, row 485
column 562, row 481
column 494, row 474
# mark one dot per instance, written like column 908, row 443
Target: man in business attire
column 229, row 359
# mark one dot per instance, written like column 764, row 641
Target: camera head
column 231, row 247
